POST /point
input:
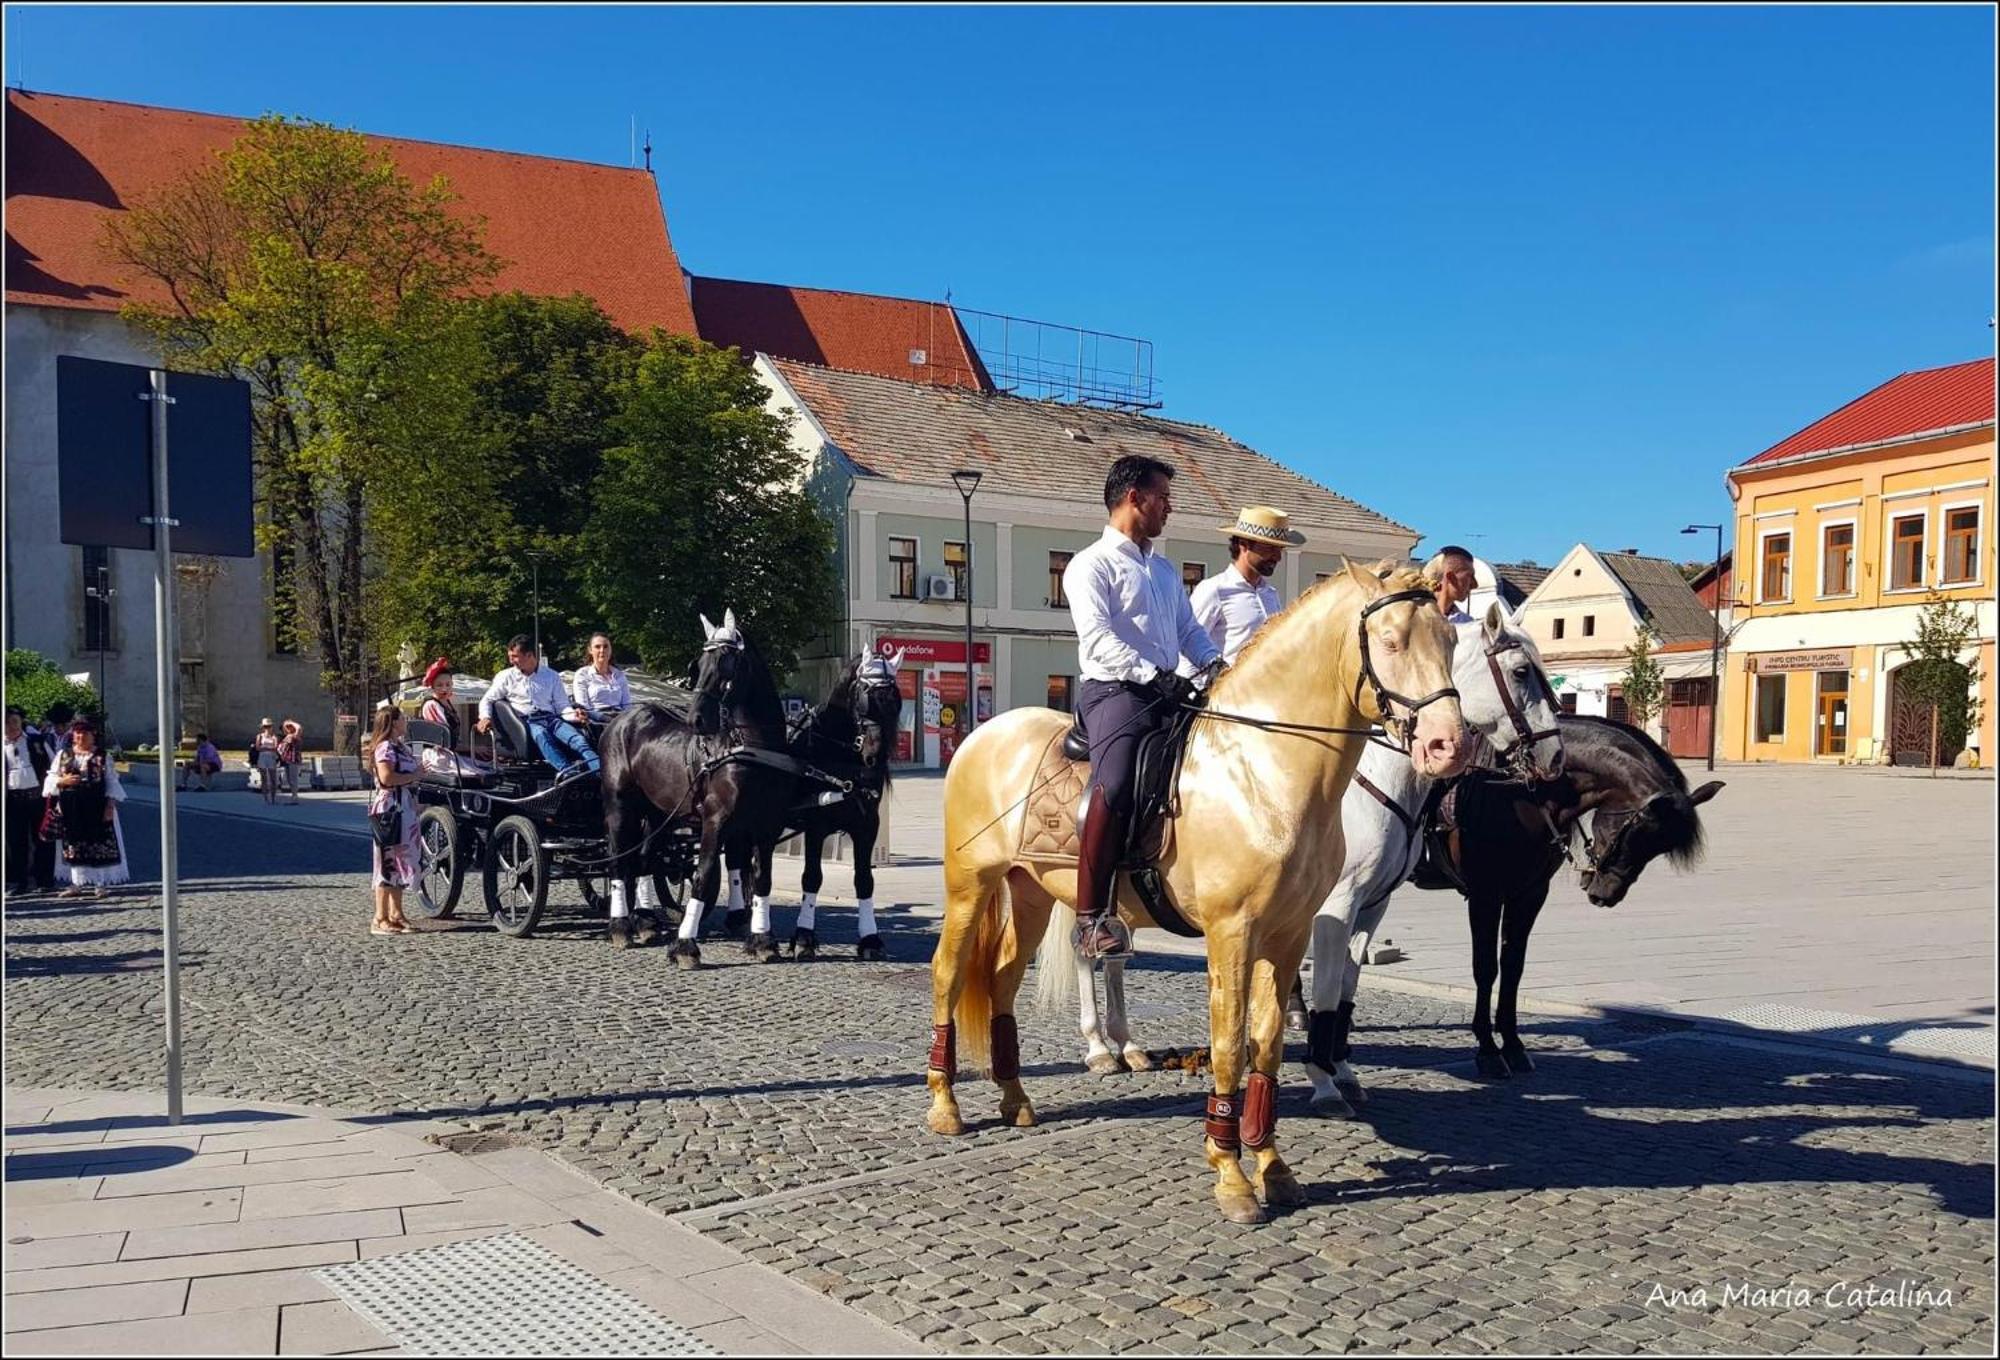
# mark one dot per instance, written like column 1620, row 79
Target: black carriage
column 508, row 819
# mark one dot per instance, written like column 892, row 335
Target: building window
column 1590, row 625
column 1614, row 705
column 97, row 601
column 1770, row 708
column 1836, row 560
column 1191, row 574
column 1906, row 552
column 284, row 602
column 959, row 565
column 902, row 569
column 1558, row 625
column 1058, row 564
column 1777, row 579
column 1059, row 686
column 1961, row 546
column 1567, row 703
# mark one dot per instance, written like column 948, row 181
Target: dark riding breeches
column 1116, row 714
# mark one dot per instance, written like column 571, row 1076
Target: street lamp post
column 967, row 481
column 535, row 566
column 1715, row 644
column 102, row 593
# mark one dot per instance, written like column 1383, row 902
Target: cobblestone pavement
column 780, row 1107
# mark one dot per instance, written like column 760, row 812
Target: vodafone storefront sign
column 918, row 652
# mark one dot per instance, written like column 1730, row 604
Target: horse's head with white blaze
column 1404, row 678
column 715, row 671
column 1503, row 691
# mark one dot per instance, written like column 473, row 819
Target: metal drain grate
column 472, row 1144
column 1959, row 1041
column 502, row 1295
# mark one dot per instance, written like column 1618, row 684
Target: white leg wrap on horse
column 807, row 910
column 736, row 890
column 648, row 899
column 618, row 907
column 867, row 923
column 691, row 923
column 760, row 915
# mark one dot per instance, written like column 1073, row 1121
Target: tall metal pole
column 535, row 562
column 163, row 642
column 1715, row 653
column 971, row 678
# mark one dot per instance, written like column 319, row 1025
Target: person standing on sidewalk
column 27, row 767
column 392, row 817
column 264, row 758
column 87, row 792
column 290, row 749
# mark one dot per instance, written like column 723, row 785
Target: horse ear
column 707, row 629
column 1706, row 792
column 729, row 620
column 1366, row 580
column 1496, row 619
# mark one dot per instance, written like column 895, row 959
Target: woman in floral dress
column 396, row 769
column 91, row 844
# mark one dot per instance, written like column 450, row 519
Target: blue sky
column 1515, row 276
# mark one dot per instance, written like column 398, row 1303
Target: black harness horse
column 725, row 770
column 851, row 736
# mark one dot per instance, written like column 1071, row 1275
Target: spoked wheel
column 671, row 894
column 440, row 864
column 517, row 876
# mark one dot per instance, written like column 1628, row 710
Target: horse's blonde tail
column 1055, row 971
column 974, row 1014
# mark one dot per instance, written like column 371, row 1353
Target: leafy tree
column 34, row 685
column 1935, row 675
column 1643, row 687
column 699, row 508
column 306, row 265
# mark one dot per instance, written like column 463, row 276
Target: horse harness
column 1520, row 752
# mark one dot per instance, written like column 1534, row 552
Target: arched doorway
column 1910, row 724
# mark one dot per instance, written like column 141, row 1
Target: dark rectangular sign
column 104, row 456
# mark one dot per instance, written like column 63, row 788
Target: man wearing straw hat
column 1232, row 606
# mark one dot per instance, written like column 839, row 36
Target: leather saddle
column 1155, row 803
column 1437, row 865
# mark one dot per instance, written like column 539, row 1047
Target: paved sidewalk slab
column 221, row 1254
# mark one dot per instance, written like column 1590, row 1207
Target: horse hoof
column 762, row 946
column 805, row 944
column 1021, row 1116
column 1352, row 1093
column 685, row 954
column 1332, row 1104
column 736, row 924
column 619, row 932
column 1241, row 1209
column 1103, row 1064
column 1282, row 1189
column 1492, row 1066
column 869, row 949
column 1137, row 1060
column 645, row 929
column 945, row 1122
column 1518, row 1061
column 1296, row 1021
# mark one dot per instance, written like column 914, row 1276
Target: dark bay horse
column 851, row 736
column 1509, row 840
column 660, row 768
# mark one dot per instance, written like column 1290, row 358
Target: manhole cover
column 860, row 1048
column 472, row 1144
column 913, row 978
column 502, row 1295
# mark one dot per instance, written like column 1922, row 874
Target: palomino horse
column 1504, row 698
column 1256, row 845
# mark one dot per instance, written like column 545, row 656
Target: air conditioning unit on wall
column 940, row 587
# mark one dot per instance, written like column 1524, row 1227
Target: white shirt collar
column 1124, row 542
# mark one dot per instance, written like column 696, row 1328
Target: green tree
column 34, row 684
column 700, row 507
column 303, row 263
column 1936, row 676
column 1643, row 686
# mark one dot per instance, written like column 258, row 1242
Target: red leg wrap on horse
column 1006, row 1048
column 1221, row 1125
column 1260, row 1111
column 944, row 1049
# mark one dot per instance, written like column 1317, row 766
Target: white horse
column 1504, row 696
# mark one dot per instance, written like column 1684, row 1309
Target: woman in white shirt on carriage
column 599, row 690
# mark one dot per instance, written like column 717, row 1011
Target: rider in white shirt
column 1232, row 606
column 1451, row 568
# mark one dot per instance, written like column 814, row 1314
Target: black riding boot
column 1101, row 839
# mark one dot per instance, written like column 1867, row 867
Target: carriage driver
column 1232, row 606
column 1133, row 624
column 536, row 693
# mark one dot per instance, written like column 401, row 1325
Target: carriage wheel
column 672, row 895
column 440, row 863
column 517, row 876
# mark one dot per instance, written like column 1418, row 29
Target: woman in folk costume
column 441, row 707
column 90, row 842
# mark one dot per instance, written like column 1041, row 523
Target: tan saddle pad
column 1048, row 822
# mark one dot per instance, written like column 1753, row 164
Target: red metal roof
column 1910, row 403
column 560, row 226
column 858, row 332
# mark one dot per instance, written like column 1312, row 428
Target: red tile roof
column 1910, row 403
column 858, row 332
column 561, row 226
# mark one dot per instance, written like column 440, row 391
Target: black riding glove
column 1172, row 687
column 1205, row 681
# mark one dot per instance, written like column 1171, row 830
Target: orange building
column 1842, row 532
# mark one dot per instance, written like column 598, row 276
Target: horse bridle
column 1384, row 696
column 1519, row 753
